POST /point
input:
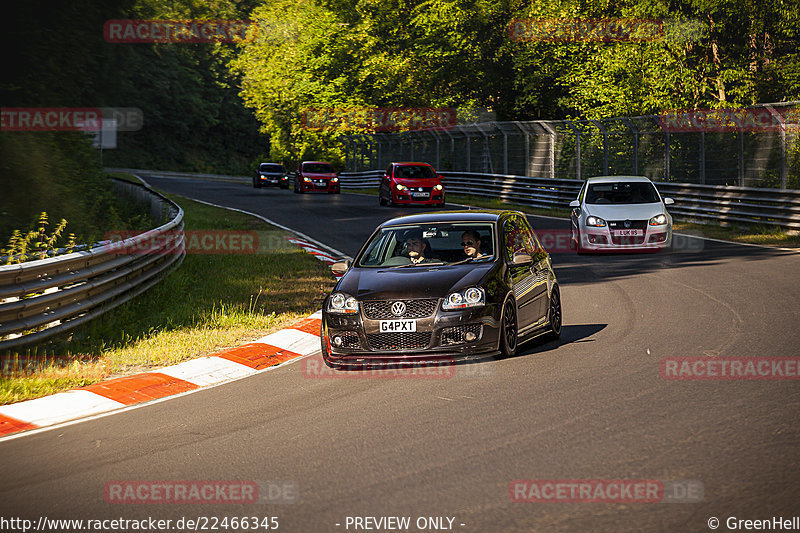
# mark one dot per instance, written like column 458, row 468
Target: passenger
column 418, row 248
column 471, row 241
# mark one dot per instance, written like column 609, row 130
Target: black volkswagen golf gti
column 439, row 287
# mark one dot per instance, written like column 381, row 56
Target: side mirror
column 341, row 267
column 668, row 201
column 575, row 203
column 522, row 259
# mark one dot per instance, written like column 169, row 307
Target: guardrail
column 698, row 203
column 187, row 175
column 39, row 299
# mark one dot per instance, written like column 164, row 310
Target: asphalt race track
column 593, row 406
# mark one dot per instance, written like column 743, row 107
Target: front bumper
column 601, row 240
column 439, row 338
column 311, row 186
column 401, row 198
column 269, row 181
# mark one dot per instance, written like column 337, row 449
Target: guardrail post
column 666, row 156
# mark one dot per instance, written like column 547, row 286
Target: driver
column 417, row 247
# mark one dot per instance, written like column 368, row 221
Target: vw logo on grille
column 627, row 223
column 398, row 309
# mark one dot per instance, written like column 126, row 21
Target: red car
column 316, row 176
column 411, row 183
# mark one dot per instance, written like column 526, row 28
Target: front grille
column 381, row 309
column 349, row 339
column 627, row 240
column 455, row 335
column 399, row 341
column 634, row 224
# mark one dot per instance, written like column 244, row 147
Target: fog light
column 469, row 336
column 337, row 341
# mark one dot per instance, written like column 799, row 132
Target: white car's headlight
column 658, row 220
column 596, row 222
column 472, row 297
column 342, row 303
column 401, row 187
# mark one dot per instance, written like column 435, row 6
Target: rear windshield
column 622, row 192
column 415, row 172
column 319, row 168
column 266, row 167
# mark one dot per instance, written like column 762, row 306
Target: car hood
column 319, row 175
column 626, row 211
column 411, row 282
column 418, row 182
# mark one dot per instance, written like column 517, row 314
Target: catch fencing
column 757, row 147
column 42, row 298
column 694, row 203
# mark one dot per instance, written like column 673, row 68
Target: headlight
column 401, row 187
column 439, row 187
column 472, row 297
column 342, row 303
column 334, row 179
column 597, row 222
column 658, row 220
column 306, row 179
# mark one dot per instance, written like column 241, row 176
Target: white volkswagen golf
column 622, row 213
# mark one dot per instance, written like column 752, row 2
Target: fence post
column 702, row 157
column 605, row 145
column 741, row 157
column 666, row 157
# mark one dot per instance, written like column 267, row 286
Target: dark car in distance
column 411, row 184
column 316, row 176
column 441, row 286
column 270, row 175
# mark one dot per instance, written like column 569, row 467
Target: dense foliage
column 460, row 53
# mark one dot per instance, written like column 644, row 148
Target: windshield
column 429, row 244
column 622, row 192
column 318, row 168
column 270, row 168
column 415, row 172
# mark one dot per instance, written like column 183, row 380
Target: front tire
column 508, row 329
column 554, row 315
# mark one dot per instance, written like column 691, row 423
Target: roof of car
column 408, row 163
column 319, row 162
column 475, row 215
column 607, row 179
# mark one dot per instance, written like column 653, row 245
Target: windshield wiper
column 470, row 259
column 414, row 264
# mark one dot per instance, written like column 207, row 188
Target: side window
column 518, row 238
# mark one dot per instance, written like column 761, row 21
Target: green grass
column 211, row 302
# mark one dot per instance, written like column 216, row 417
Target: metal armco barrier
column 701, row 203
column 42, row 298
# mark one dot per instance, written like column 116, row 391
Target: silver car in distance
column 620, row 213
